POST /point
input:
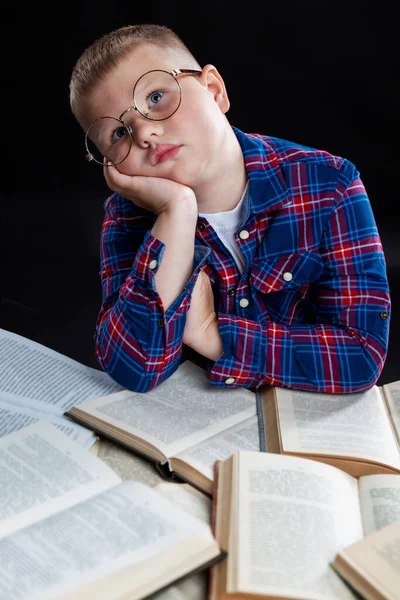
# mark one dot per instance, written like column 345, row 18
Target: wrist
column 181, row 207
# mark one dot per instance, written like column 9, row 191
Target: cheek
column 129, row 166
column 199, row 129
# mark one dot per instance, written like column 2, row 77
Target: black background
column 321, row 73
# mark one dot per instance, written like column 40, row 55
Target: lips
column 162, row 153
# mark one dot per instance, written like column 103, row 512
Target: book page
column 127, row 464
column 293, row 515
column 374, row 563
column 182, row 411
column 120, row 527
column 188, row 498
column 242, row 436
column 94, row 448
column 380, row 501
column 39, row 378
column 392, row 395
column 193, row 586
column 13, row 418
column 42, row 471
column 355, row 425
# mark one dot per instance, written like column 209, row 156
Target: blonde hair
column 107, row 52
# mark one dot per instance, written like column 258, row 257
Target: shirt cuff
column 147, row 259
column 242, row 362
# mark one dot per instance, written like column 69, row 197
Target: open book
column 71, row 529
column 184, row 424
column 372, row 565
column 359, row 432
column 39, row 384
column 195, row 585
column 130, row 465
column 283, row 520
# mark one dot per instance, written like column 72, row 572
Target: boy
column 260, row 254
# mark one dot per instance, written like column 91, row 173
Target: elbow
column 370, row 379
column 374, row 370
column 133, row 370
column 373, row 357
column 131, row 377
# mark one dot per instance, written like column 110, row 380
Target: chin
column 178, row 176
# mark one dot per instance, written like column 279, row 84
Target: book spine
column 261, row 422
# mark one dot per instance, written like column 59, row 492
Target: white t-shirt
column 226, row 224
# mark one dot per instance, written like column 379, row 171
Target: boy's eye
column 154, row 98
column 118, row 134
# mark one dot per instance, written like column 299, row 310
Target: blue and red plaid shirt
column 318, row 309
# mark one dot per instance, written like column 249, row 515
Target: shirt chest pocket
column 289, row 272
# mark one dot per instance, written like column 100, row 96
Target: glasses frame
column 174, row 73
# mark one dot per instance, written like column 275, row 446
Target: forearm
column 130, row 343
column 318, row 357
column 175, row 227
column 137, row 343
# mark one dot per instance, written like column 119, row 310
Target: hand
column 201, row 313
column 154, row 194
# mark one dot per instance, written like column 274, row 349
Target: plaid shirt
column 318, row 310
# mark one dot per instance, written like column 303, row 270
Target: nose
column 144, row 131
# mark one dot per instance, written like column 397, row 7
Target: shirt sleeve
column 136, row 342
column 344, row 349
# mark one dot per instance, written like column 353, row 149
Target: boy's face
column 199, row 127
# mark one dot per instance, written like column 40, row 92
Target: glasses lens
column 108, row 138
column 157, row 95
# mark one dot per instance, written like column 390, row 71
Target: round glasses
column 157, row 95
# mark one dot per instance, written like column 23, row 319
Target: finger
column 117, row 181
column 111, row 173
column 109, row 176
column 106, row 172
column 204, row 274
column 205, row 281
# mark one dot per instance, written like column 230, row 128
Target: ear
column 214, row 83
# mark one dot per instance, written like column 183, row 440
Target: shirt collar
column 268, row 190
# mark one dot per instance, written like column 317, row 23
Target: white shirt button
column 153, row 264
column 244, row 234
column 244, row 302
column 230, row 380
column 287, row 276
